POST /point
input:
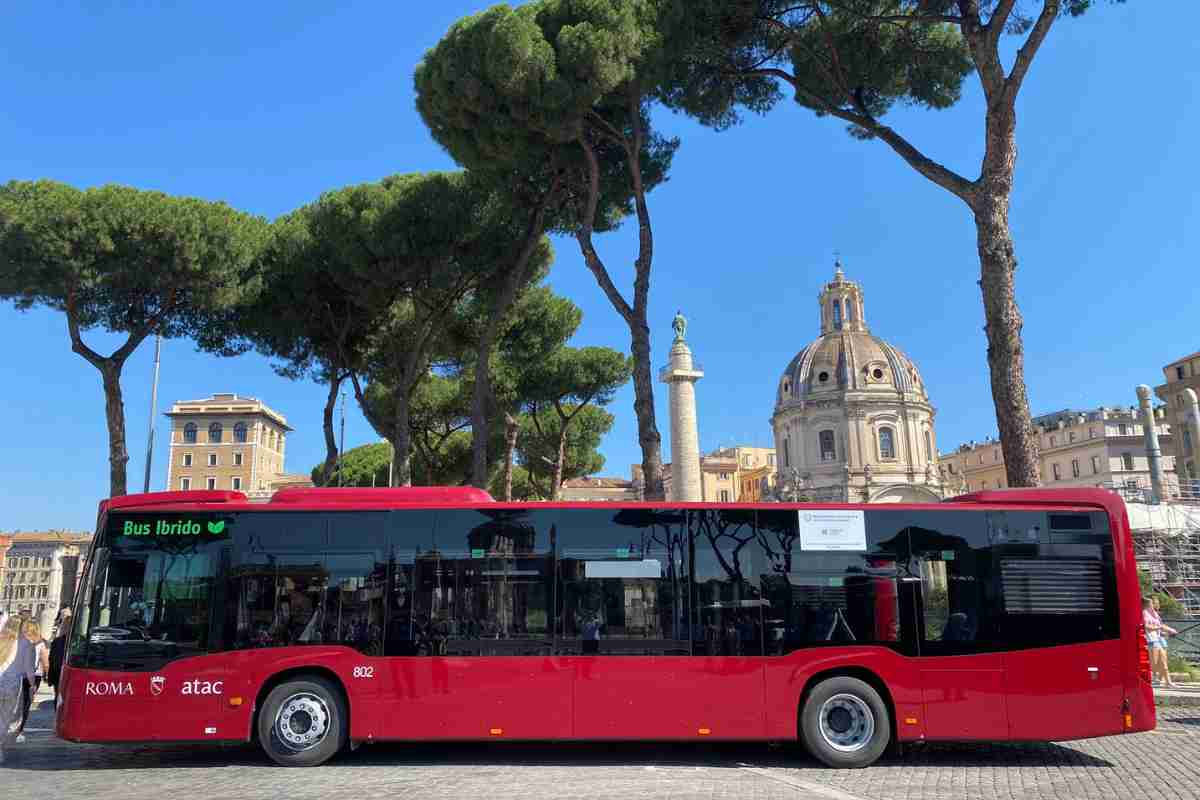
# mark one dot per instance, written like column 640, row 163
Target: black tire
column 857, row 725
column 319, row 722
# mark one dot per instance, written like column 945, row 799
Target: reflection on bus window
column 486, row 588
column 728, row 598
column 624, row 582
column 278, row 580
column 815, row 598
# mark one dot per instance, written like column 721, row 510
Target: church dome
column 852, row 420
column 846, row 356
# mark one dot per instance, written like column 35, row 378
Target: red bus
column 327, row 618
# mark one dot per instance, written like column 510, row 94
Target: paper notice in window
column 833, row 530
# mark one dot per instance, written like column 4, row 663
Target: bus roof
column 466, row 496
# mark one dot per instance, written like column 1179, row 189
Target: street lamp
column 153, row 406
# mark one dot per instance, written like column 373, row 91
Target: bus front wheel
column 845, row 723
column 303, row 722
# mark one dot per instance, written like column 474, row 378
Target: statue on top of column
column 679, row 325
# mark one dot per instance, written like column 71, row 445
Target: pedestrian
column 1152, row 624
column 1160, row 652
column 58, row 652
column 16, row 666
column 41, row 656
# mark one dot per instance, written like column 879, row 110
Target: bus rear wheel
column 845, row 723
column 303, row 722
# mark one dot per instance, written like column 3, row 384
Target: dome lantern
column 841, row 304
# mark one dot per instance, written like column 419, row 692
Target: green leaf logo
column 216, row 527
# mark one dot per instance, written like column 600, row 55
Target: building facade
column 41, row 574
column 1094, row 447
column 724, row 472
column 852, row 420
column 226, row 442
column 598, row 490
column 1182, row 375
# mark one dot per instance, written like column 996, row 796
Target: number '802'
column 364, row 672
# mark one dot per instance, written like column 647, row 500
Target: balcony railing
column 665, row 371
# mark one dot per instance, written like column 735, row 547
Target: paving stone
column 1162, row 765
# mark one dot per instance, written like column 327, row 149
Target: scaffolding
column 1166, row 540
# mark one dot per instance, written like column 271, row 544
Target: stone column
column 1153, row 453
column 1193, row 424
column 680, row 375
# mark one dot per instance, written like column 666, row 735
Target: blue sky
column 267, row 105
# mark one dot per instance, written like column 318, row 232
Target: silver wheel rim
column 302, row 722
column 847, row 723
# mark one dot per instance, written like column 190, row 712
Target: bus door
column 961, row 663
column 1060, row 613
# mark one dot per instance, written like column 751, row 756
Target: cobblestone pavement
column 1162, row 765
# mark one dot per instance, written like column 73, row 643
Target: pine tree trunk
column 480, row 398
column 559, row 465
column 510, row 445
column 1003, row 322
column 401, row 439
column 643, row 404
column 331, row 450
column 1006, row 354
column 114, row 412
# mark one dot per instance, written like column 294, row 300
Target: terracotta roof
column 1185, row 358
column 66, row 537
column 597, row 483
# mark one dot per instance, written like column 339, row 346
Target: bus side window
column 623, row 577
column 959, row 579
column 358, row 560
column 279, row 579
column 487, row 587
column 728, row 596
column 814, row 598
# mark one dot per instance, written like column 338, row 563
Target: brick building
column 226, row 442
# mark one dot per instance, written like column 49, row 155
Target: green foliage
column 576, row 375
column 122, row 259
column 560, row 395
column 584, row 426
column 1168, row 605
column 523, row 487
column 128, row 261
column 510, row 91
column 366, row 465
column 844, row 57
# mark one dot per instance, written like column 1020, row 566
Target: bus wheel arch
column 324, row 691
column 829, row 678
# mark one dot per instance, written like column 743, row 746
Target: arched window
column 239, row 432
column 214, row 432
column 828, row 449
column 787, row 456
column 928, row 447
column 837, row 315
column 189, row 433
column 887, row 443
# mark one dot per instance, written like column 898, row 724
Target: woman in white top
column 33, row 634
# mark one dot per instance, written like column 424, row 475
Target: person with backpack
column 58, row 652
